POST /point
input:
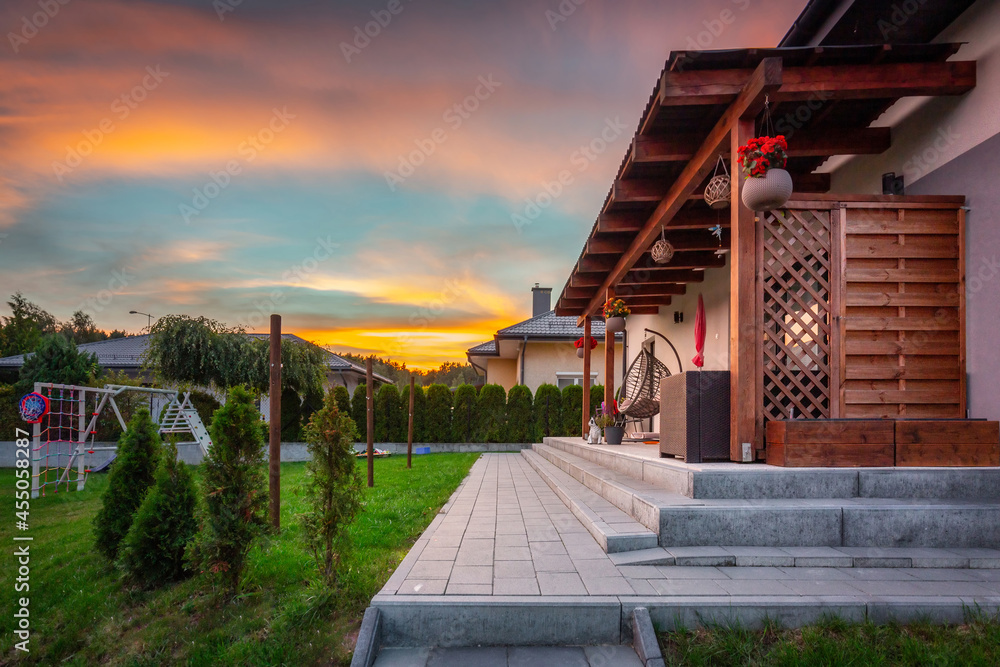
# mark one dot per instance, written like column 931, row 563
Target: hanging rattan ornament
column 662, row 251
column 719, row 191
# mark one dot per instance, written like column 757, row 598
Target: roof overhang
column 823, row 99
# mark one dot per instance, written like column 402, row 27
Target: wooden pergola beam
column 672, row 276
column 767, row 78
column 684, row 240
column 656, row 151
column 693, row 218
column 841, row 82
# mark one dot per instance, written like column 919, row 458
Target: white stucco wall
column 544, row 360
column 715, row 293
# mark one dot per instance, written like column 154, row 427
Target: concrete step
column 849, row 522
column 835, row 557
column 613, row 529
column 736, row 480
column 640, row 500
column 580, row 656
column 853, row 521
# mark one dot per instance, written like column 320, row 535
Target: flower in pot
column 615, row 312
column 579, row 345
column 767, row 185
column 611, row 421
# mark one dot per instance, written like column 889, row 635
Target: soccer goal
column 64, row 431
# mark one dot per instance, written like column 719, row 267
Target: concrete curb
column 369, row 640
column 644, row 638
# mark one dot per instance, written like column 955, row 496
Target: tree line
column 449, row 373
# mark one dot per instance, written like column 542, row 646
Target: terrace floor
column 505, row 533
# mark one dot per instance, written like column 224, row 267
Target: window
column 567, row 379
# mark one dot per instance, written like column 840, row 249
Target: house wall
column 715, row 294
column 544, row 360
column 502, row 372
column 951, row 146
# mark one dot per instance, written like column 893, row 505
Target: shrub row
column 489, row 415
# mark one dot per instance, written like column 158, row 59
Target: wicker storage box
column 694, row 416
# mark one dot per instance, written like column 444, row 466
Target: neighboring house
column 125, row 354
column 540, row 350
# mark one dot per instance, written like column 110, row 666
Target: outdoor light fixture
column 149, row 318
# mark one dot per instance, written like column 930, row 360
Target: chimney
column 541, row 300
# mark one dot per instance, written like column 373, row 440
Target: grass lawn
column 835, row 643
column 81, row 615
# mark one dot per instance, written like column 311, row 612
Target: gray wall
column 975, row 174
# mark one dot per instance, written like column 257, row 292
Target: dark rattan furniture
column 694, row 416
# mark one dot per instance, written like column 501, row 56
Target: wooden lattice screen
column 795, row 254
column 904, row 310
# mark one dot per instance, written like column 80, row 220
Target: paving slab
column 507, row 560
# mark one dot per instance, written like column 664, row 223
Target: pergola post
column 609, row 361
column 742, row 310
column 586, row 376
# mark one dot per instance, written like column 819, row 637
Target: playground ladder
column 180, row 416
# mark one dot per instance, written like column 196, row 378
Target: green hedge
column 359, row 411
column 419, row 413
column 439, row 405
column 519, row 415
column 548, row 411
column 572, row 409
column 389, row 421
column 463, row 423
column 491, row 417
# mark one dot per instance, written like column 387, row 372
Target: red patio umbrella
column 699, row 334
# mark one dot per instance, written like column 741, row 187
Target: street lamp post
column 149, row 318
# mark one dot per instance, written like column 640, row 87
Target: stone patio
column 507, row 563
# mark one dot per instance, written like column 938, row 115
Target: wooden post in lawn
column 369, row 385
column 409, row 429
column 274, row 431
column 586, row 376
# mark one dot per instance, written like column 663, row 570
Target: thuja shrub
column 359, row 411
column 439, row 404
column 343, row 398
column 131, row 475
column 572, row 409
column 152, row 553
column 463, row 420
column 332, row 488
column 419, row 412
column 291, row 416
column 520, row 416
column 491, row 414
column 388, row 414
column 548, row 411
column 596, row 398
column 234, row 491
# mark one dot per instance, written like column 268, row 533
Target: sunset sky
column 233, row 159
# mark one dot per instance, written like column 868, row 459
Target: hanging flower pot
column 767, row 192
column 719, row 191
column 578, row 344
column 767, row 185
column 615, row 312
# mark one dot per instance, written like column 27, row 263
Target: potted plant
column 579, row 345
column 767, row 185
column 615, row 312
column 610, row 420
